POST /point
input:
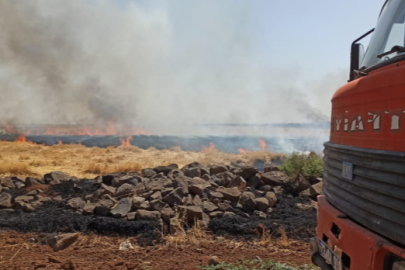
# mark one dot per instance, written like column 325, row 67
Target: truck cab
column 361, row 216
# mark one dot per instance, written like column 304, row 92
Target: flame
column 60, row 142
column 208, row 148
column 262, row 145
column 126, row 142
column 242, row 151
column 21, row 138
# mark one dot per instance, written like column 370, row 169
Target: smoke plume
column 93, row 62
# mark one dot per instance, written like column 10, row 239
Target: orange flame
column 262, row 145
column 126, row 142
column 60, row 142
column 242, row 151
column 208, row 148
column 21, row 138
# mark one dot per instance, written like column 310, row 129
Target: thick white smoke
column 90, row 62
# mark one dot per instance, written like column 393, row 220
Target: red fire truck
column 361, row 216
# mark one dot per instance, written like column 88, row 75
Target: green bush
column 307, row 165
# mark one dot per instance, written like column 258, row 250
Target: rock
column 157, row 205
column 260, row 214
column 156, row 196
column 139, row 188
column 181, row 182
column 215, row 195
column 131, row 216
column 217, row 169
column 271, row 198
column 231, row 194
column 197, row 186
column 314, row 191
column 225, row 207
column 166, row 191
column 33, row 193
column 209, row 207
column 88, row 208
column 147, row 215
column 55, row 177
column 213, row 261
column 228, row 214
column 192, row 172
column 314, row 180
column 122, row 208
column 223, row 179
column 175, row 197
column 175, row 226
column 26, row 207
column 271, row 168
column 126, row 179
column 75, row 203
column 206, row 177
column 19, row 183
column 216, row 214
column 148, row 172
column 30, row 181
column 192, row 212
column 197, row 200
column 108, row 178
column 165, row 169
column 7, row 182
column 254, row 182
column 238, row 182
column 274, row 178
column 204, row 222
column 247, row 200
column 246, row 171
column 262, row 204
column 125, row 190
column 24, row 198
column 266, row 188
column 137, row 201
column 62, row 241
column 105, row 189
column 167, row 213
column 159, row 184
column 174, row 174
column 188, row 200
column 298, row 184
column 145, row 206
column 204, row 171
column 103, row 207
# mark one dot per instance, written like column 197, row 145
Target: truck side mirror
column 356, row 55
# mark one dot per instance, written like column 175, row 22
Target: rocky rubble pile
column 163, row 194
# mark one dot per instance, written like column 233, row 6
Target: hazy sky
column 175, row 62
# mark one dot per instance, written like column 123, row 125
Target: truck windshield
column 390, row 32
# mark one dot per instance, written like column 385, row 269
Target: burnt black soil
column 52, row 217
column 298, row 223
column 80, row 188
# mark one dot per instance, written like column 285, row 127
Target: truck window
column 390, row 32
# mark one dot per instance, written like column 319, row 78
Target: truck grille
column 375, row 197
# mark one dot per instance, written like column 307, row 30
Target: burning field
column 73, row 207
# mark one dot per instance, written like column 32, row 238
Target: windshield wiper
column 397, row 49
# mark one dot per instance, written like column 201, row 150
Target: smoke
column 135, row 63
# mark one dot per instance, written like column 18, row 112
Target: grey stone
column 75, row 203
column 254, row 182
column 217, row 169
column 266, row 188
column 274, row 178
column 260, row 214
column 262, row 204
column 88, row 208
column 147, row 215
column 24, row 198
column 175, row 197
column 30, row 181
column 238, row 182
column 167, row 213
column 228, row 214
column 157, row 205
column 246, row 171
column 122, row 208
column 108, row 178
column 247, row 200
column 148, row 173
column 174, row 174
column 271, row 198
column 145, row 206
column 222, row 179
column 62, row 241
column 271, row 168
column 165, row 169
column 24, row 206
column 103, row 207
column 137, row 201
column 299, row 183
column 216, row 214
column 209, row 207
column 131, row 215
column 192, row 212
column 166, row 191
column 55, row 177
column 197, row 200
column 197, row 186
column 182, row 182
column 105, row 189
column 156, row 196
column 231, row 194
column 7, row 182
column 188, row 200
column 125, row 190
column 126, row 179
column 192, row 172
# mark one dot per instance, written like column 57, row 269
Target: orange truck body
column 361, row 216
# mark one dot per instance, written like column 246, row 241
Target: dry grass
column 29, row 159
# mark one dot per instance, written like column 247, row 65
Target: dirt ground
column 25, row 251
